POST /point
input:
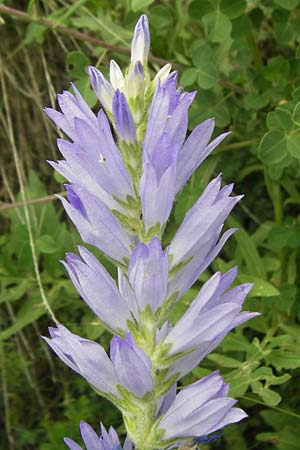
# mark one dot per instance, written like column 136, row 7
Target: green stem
column 257, row 59
column 289, row 413
column 274, row 192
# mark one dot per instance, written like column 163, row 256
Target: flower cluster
column 125, row 166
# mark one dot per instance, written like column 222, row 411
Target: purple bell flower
column 71, row 107
column 95, row 156
column 195, row 150
column 202, row 407
column 106, row 441
column 148, row 274
column 157, row 185
column 128, row 366
column 131, row 365
column 213, row 313
column 96, row 224
column 85, row 357
column 196, row 241
column 98, row 289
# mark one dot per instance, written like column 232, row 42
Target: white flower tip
column 163, row 74
column 141, row 40
column 116, row 75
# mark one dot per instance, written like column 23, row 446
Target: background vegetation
column 243, row 58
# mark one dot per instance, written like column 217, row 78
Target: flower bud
column 116, row 75
column 102, row 88
column 141, row 41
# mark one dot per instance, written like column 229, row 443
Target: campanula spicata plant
column 125, row 166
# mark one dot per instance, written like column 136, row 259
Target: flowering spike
column 124, row 167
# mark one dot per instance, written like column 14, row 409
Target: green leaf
column 278, row 70
column 217, row 26
column 271, row 264
column 272, row 147
column 76, row 64
column 29, row 312
column 248, row 249
column 296, row 115
column 256, row 101
column 221, row 114
column 285, row 32
column 271, row 398
column 242, row 26
column 161, row 17
column 46, row 244
column 198, row 8
column 35, row 32
column 233, row 8
column 188, row 77
column 278, row 237
column 69, row 12
column 84, row 87
column 58, row 177
column 138, row 5
column 287, row 4
column 280, row 119
column 283, row 359
column 239, row 379
column 261, row 288
column 13, row 293
column 207, row 76
column 201, row 53
column 293, row 144
column 224, row 361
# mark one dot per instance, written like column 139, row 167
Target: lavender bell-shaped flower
column 128, row 366
column 148, row 274
column 202, row 407
column 106, row 441
column 96, row 224
column 71, row 107
column 131, row 365
column 213, row 313
column 85, row 357
column 195, row 243
column 98, row 289
column 157, row 185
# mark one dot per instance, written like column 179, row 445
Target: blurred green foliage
column 243, row 58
